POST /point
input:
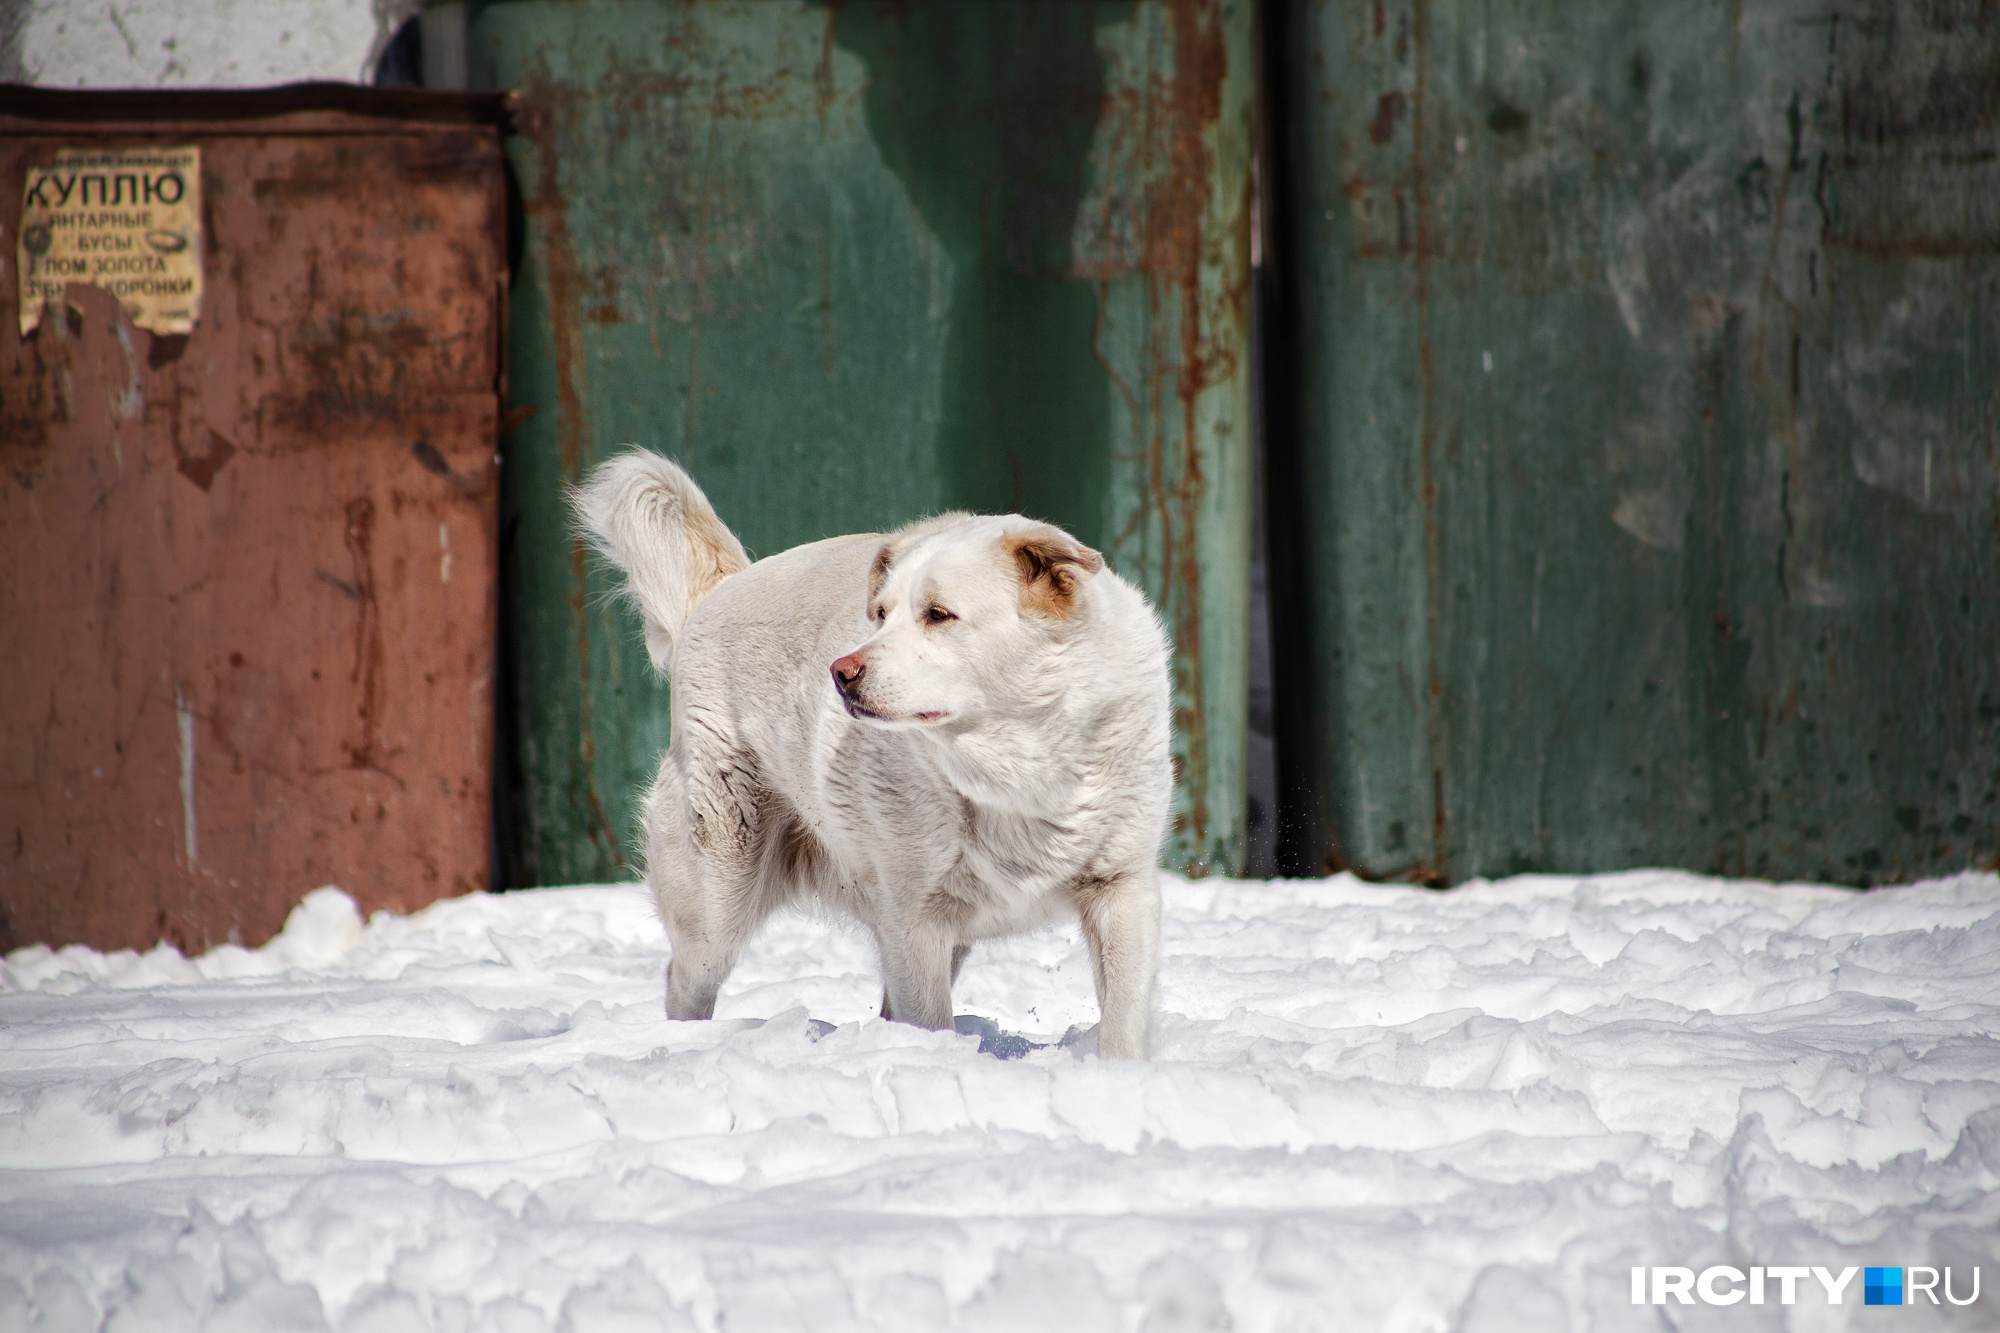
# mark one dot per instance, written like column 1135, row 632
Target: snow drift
column 1371, row 1108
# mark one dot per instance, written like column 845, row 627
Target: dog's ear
column 878, row 573
column 1053, row 566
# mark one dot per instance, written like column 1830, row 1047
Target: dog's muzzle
column 847, row 674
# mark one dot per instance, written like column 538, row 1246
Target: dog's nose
column 847, row 671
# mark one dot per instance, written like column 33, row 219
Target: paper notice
column 124, row 219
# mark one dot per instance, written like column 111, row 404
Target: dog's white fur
column 954, row 732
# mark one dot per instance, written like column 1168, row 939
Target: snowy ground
column 1371, row 1108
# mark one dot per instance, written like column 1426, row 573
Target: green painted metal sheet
column 1649, row 387
column 852, row 265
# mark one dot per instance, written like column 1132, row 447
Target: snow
column 1370, row 1108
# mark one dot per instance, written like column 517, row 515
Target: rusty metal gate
column 1646, row 471
column 247, row 570
column 852, row 264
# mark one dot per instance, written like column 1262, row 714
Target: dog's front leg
column 1121, row 925
column 958, row 957
column 918, row 962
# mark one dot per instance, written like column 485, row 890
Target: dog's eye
column 937, row 615
column 881, row 613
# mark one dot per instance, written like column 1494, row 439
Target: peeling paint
column 855, row 264
column 217, row 541
column 184, row 730
column 1730, row 467
column 1173, row 210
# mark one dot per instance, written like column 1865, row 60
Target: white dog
column 953, row 732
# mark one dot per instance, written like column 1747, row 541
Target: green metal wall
column 1647, row 364
column 855, row 264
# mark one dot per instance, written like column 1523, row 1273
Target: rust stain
column 1438, row 869
column 1172, row 264
column 1170, row 117
column 352, row 363
column 515, row 418
column 1918, row 247
column 368, row 646
column 28, row 412
column 430, row 459
column 545, row 104
column 1387, row 109
column 433, row 462
column 823, row 85
column 201, row 469
column 337, row 583
column 1782, row 392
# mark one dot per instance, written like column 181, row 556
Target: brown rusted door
column 247, row 573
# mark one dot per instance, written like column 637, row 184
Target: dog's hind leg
column 1121, row 926
column 707, row 863
column 704, row 952
column 711, row 909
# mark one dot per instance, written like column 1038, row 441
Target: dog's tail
column 648, row 518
